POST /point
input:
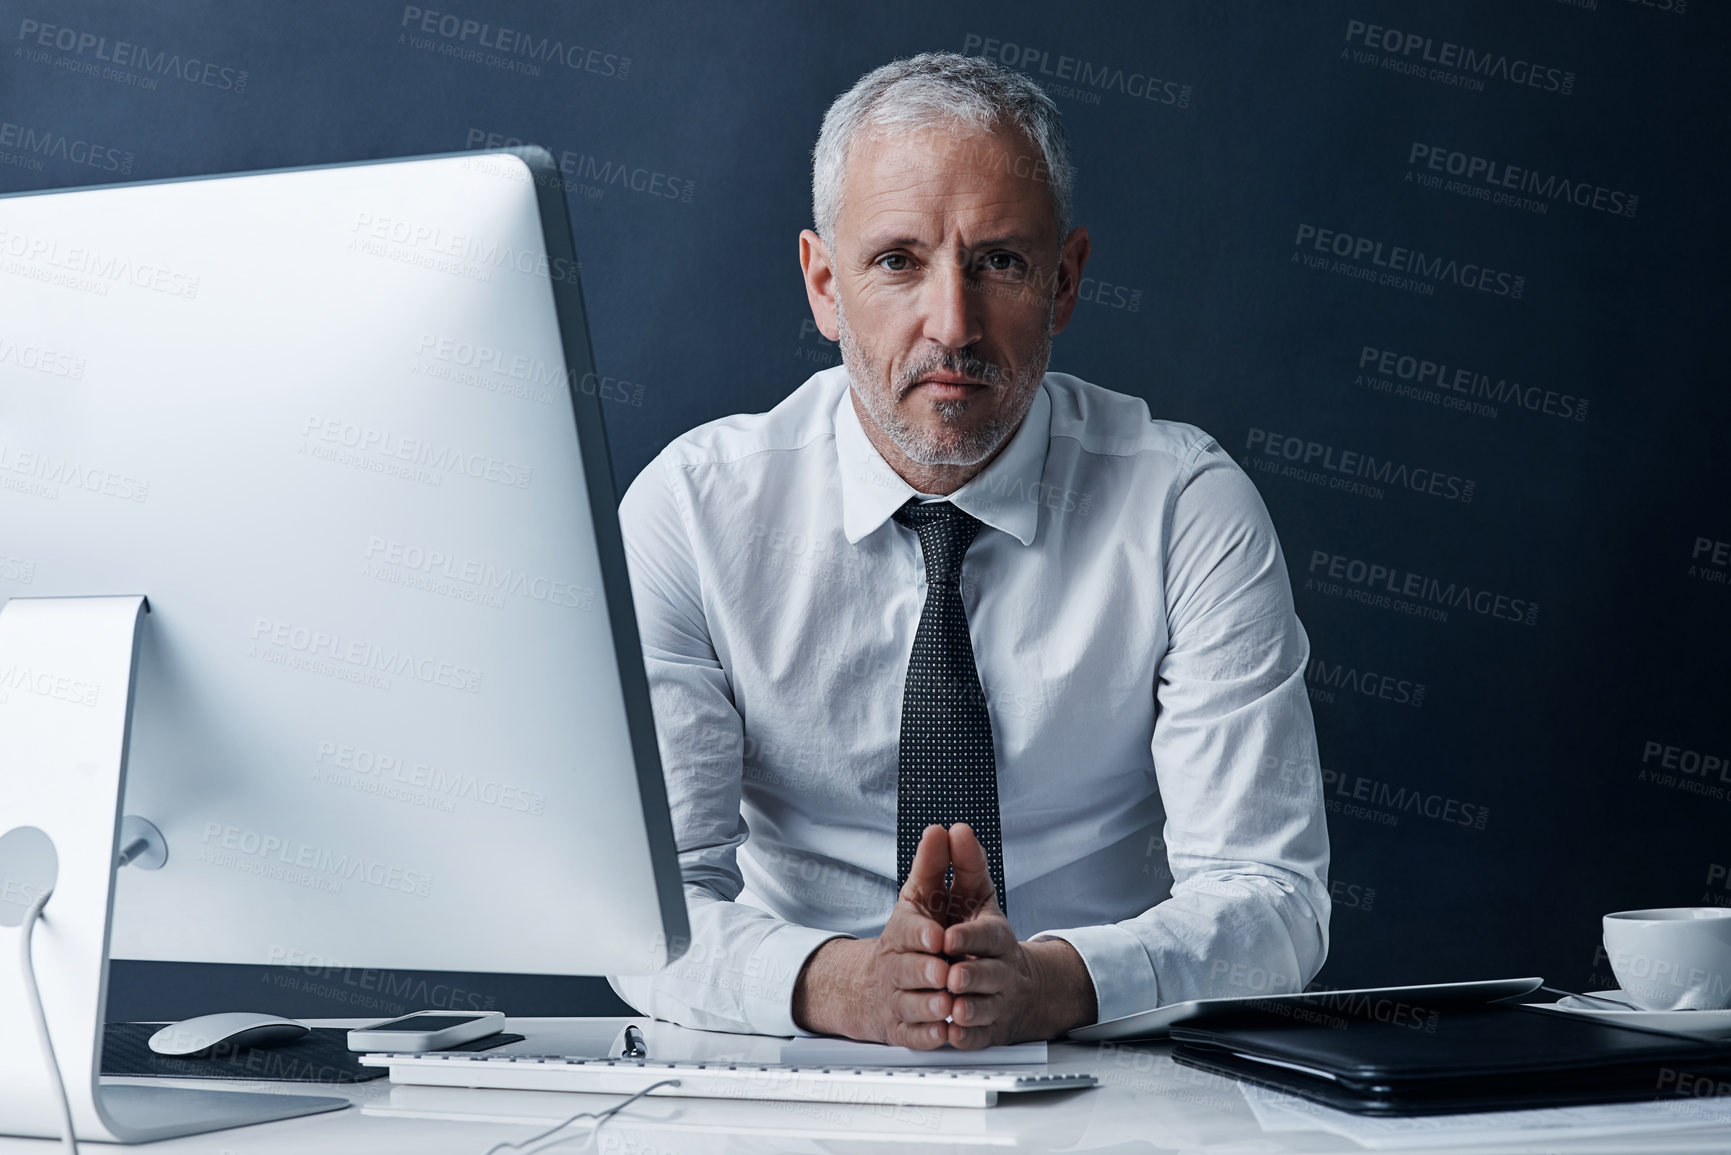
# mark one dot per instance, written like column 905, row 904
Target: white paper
column 1276, row 1112
column 825, row 1052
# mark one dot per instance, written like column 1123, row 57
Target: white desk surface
column 1145, row 1103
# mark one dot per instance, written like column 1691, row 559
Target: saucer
column 1698, row 1024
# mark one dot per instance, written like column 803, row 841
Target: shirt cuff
column 1118, row 963
column 770, row 976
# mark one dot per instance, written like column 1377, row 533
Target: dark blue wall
column 1532, row 729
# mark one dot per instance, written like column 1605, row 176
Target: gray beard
column 929, row 447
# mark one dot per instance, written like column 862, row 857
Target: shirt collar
column 1005, row 495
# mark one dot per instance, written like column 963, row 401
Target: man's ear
column 814, row 262
column 1071, row 260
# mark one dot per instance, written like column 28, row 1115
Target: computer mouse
column 235, row 1029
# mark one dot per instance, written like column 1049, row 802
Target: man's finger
column 980, row 976
column 921, row 1006
column 978, row 1010
column 919, row 972
column 918, row 1036
column 925, row 884
column 988, row 935
column 910, row 929
column 973, row 1038
column 972, row 892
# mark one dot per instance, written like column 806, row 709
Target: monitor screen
column 332, row 423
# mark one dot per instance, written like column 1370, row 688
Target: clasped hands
column 947, row 967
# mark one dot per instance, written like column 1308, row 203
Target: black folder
column 1417, row 1060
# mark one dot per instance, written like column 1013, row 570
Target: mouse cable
column 600, row 1118
column 68, row 1139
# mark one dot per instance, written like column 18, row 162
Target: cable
column 601, row 1118
column 68, row 1139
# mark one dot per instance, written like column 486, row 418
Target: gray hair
column 933, row 90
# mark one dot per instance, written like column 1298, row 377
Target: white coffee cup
column 1674, row 958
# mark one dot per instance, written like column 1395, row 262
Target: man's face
column 946, row 283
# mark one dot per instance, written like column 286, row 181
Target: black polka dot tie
column 948, row 768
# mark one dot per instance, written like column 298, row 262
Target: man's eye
column 1004, row 262
column 895, row 262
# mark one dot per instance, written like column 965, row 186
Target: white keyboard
column 911, row 1086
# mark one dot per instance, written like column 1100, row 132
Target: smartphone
column 427, row 1031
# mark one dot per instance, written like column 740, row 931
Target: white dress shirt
column 1142, row 665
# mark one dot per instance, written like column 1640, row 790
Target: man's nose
column 952, row 308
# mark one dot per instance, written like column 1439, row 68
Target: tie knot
column 945, row 534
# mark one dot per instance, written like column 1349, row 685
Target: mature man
column 980, row 693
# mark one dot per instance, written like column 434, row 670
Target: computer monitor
column 339, row 426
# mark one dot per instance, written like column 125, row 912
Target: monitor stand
column 66, row 679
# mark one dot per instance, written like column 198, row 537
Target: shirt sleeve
column 1235, row 756
column 738, row 971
